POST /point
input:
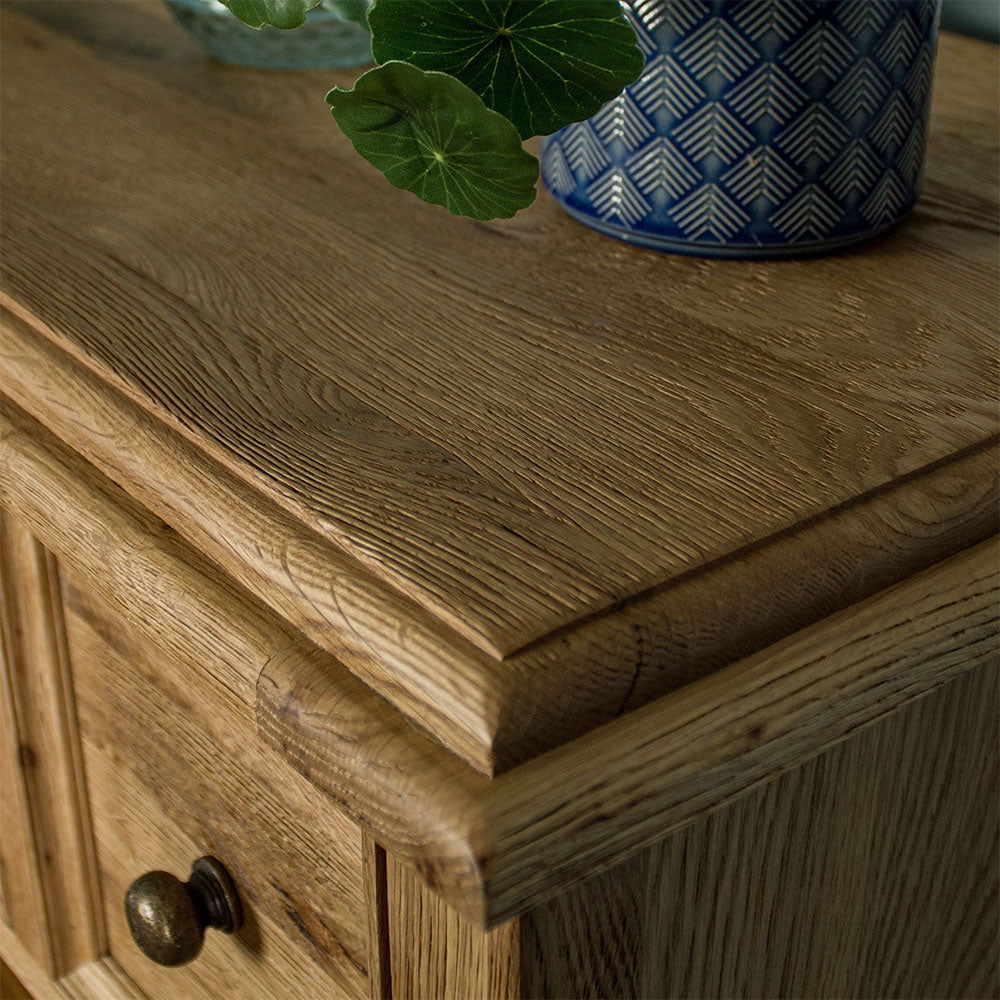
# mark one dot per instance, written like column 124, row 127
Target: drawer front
column 174, row 771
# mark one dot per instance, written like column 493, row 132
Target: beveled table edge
column 494, row 848
column 498, row 713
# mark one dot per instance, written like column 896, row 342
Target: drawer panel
column 174, row 771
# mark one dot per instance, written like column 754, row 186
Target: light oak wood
column 174, row 773
column 376, row 633
column 506, row 460
column 630, row 621
column 436, row 383
column 635, row 780
column 23, row 902
column 496, row 713
column 502, row 846
column 869, row 871
column 493, row 849
column 101, row 979
column 182, row 606
column 438, row 954
column 51, row 896
column 146, row 568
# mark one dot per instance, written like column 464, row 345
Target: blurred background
column 972, row 17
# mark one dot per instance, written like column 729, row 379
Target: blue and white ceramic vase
column 758, row 128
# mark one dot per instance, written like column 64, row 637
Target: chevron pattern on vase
column 758, row 126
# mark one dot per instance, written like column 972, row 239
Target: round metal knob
column 168, row 917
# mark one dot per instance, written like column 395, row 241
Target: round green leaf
column 540, row 63
column 278, row 13
column 430, row 134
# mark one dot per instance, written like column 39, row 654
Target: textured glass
column 325, row 41
column 758, row 128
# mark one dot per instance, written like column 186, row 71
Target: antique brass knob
column 168, row 917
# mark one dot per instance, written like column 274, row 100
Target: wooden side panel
column 585, row 807
column 438, row 954
column 871, row 871
column 50, row 886
column 591, row 941
column 176, row 772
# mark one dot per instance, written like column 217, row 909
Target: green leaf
column 279, row 13
column 430, row 134
column 350, row 10
column 540, row 63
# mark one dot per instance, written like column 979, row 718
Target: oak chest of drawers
column 509, row 611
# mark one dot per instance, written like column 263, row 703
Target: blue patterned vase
column 758, row 128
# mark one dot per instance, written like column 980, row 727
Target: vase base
column 739, row 251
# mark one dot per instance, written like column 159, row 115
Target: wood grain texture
column 27, row 967
column 393, row 779
column 506, row 455
column 653, row 771
column 481, row 510
column 146, row 570
column 441, row 681
column 438, row 954
column 497, row 713
column 870, row 871
column 23, row 902
column 102, row 979
column 175, row 773
column 418, row 801
column 211, row 641
column 51, row 893
column 493, row 849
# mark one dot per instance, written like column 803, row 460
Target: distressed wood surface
column 51, row 895
column 174, row 773
column 101, row 980
column 437, row 953
column 509, row 458
column 685, row 754
column 167, row 593
column 23, row 901
column 493, row 849
column 495, row 714
column 172, row 755
column 869, row 871
column 502, row 846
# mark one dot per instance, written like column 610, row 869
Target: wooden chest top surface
column 518, row 428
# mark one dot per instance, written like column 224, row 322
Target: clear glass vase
column 325, row 41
